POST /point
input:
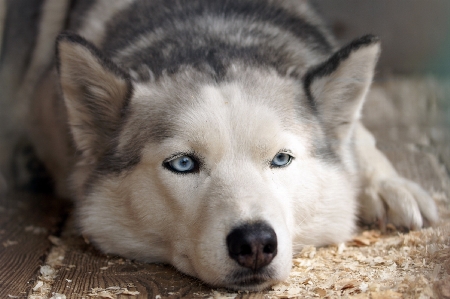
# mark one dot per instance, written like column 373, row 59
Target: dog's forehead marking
column 252, row 114
column 228, row 119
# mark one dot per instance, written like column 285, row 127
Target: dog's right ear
column 95, row 90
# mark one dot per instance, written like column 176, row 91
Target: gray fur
column 229, row 85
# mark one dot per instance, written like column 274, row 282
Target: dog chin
column 251, row 281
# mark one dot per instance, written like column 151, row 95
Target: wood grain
column 26, row 221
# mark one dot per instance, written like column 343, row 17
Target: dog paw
column 398, row 201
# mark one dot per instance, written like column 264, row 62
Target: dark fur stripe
column 216, row 57
column 78, row 10
column 113, row 161
column 155, row 128
column 198, row 47
column 146, row 16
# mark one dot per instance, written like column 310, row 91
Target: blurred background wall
column 415, row 34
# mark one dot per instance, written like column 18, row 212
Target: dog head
column 224, row 179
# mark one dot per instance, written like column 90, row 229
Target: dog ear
column 95, row 92
column 337, row 88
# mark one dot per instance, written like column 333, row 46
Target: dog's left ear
column 337, row 88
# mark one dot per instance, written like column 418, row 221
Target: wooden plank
column 26, row 221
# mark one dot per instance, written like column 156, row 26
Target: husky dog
column 220, row 136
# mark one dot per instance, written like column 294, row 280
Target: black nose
column 252, row 245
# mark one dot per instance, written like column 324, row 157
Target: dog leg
column 385, row 196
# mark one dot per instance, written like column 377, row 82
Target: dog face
column 224, row 180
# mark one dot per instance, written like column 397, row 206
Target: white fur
column 386, row 197
column 235, row 126
column 184, row 219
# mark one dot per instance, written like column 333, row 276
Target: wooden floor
column 42, row 256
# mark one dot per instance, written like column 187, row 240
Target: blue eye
column 182, row 164
column 281, row 160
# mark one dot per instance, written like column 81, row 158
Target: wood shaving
column 86, row 239
column 386, row 295
column 366, row 238
column 43, row 285
column 36, row 230
column 112, row 292
column 55, row 240
column 8, row 243
column 106, row 294
column 56, row 256
column 38, row 285
column 345, row 284
column 47, row 274
column 220, row 295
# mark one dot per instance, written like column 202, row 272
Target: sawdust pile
column 413, row 265
column 49, row 272
column 372, row 266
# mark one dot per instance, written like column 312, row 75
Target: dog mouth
column 247, row 280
